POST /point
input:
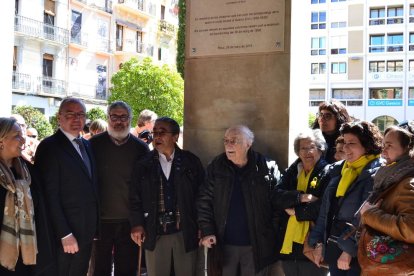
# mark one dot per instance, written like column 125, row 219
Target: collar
column 164, row 158
column 119, row 142
column 68, row 135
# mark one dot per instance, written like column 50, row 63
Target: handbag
column 379, row 254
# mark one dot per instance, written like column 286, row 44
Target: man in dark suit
column 66, row 165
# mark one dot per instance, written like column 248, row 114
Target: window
column 162, row 12
column 139, row 42
column 349, row 97
column 318, row 68
column 395, row 42
column 376, row 43
column 47, row 70
column 338, row 67
column 338, row 1
column 316, row 96
column 376, row 66
column 377, row 16
column 16, row 6
column 15, row 59
column 411, row 93
column 394, row 66
column 411, row 13
column 101, row 82
column 383, row 122
column 339, row 44
column 385, row 93
column 395, row 15
column 340, row 24
column 119, row 37
column 318, row 1
column 75, row 31
column 159, row 53
column 318, row 46
column 411, row 42
column 411, row 65
column 318, row 20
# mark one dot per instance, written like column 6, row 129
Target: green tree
column 144, row 85
column 96, row 113
column 34, row 118
column 311, row 119
column 181, row 37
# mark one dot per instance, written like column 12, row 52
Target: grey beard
column 119, row 135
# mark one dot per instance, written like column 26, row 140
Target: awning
column 128, row 24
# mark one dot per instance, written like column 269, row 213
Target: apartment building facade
column 362, row 53
column 73, row 47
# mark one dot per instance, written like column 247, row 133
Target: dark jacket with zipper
column 188, row 175
column 257, row 182
column 286, row 196
column 347, row 207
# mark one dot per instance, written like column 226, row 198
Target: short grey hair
column 244, row 130
column 71, row 100
column 119, row 104
column 315, row 135
column 146, row 115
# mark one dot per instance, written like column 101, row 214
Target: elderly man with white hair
column 234, row 207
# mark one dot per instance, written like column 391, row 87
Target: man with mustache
column 116, row 151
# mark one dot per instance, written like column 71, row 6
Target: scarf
column 391, row 174
column 18, row 234
column 296, row 230
column 350, row 171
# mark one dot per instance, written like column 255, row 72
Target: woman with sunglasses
column 350, row 184
column 330, row 117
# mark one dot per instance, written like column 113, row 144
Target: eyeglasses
column 32, row 136
column 308, row 149
column 231, row 141
column 160, row 133
column 325, row 116
column 74, row 115
column 122, row 118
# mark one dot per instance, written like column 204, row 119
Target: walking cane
column 205, row 261
column 139, row 259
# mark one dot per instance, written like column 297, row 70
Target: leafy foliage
column 181, row 38
column 311, row 119
column 34, row 118
column 96, row 113
column 144, row 85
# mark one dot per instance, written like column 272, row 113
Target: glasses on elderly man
column 122, row 118
column 324, row 115
column 231, row 141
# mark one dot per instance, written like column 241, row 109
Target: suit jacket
column 70, row 192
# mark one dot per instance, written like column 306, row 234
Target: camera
column 145, row 136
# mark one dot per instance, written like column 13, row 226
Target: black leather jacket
column 259, row 179
column 144, row 192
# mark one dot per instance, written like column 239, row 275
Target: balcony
column 103, row 45
column 167, row 28
column 398, row 20
column 374, row 22
column 139, row 5
column 51, row 86
column 134, row 46
column 103, row 5
column 80, row 39
column 21, row 82
column 40, row 30
column 87, row 91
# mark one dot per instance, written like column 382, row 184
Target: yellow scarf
column 296, row 230
column 350, row 171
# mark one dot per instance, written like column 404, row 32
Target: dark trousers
column 355, row 269
column 115, row 238
column 302, row 268
column 20, row 269
column 240, row 257
column 74, row 264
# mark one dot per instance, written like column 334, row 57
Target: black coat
column 144, row 193
column 46, row 256
column 286, row 196
column 258, row 180
column 349, row 204
column 71, row 194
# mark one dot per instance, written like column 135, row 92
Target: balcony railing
column 103, row 5
column 53, row 86
column 103, row 45
column 21, row 82
column 38, row 29
column 166, row 27
column 98, row 91
column 132, row 45
column 141, row 5
column 80, row 39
